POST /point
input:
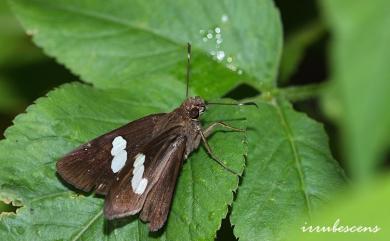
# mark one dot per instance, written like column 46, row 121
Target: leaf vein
column 51, row 195
column 296, row 156
column 85, row 228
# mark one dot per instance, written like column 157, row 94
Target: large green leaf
column 107, row 42
column 75, row 113
column 290, row 172
column 361, row 78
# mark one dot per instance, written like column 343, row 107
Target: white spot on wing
column 142, row 186
column 139, row 160
column 137, row 176
column 119, row 161
column 119, row 153
column 138, row 184
column 118, row 144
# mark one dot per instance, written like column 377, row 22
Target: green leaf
column 15, row 46
column 120, row 41
column 290, row 172
column 362, row 207
column 360, row 73
column 74, row 114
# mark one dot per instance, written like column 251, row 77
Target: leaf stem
column 299, row 93
column 292, row 93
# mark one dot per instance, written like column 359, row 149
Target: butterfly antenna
column 236, row 104
column 188, row 67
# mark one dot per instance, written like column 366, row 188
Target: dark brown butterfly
column 137, row 165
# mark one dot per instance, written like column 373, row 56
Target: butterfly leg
column 209, row 130
column 210, row 152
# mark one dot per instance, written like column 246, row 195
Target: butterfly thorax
column 189, row 125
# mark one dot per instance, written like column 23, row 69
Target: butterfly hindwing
column 163, row 159
column 157, row 205
column 89, row 166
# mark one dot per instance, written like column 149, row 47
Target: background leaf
column 366, row 207
column 76, row 113
column 9, row 98
column 15, row 46
column 295, row 47
column 290, row 172
column 122, row 41
column 361, row 79
column 15, row 49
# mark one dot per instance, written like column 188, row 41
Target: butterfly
column 136, row 166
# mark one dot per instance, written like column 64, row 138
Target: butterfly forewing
column 89, row 166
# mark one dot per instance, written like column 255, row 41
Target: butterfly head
column 194, row 107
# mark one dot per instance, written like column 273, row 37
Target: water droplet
column 202, row 31
column 239, row 72
column 209, row 35
column 219, row 41
column 229, row 59
column 32, row 32
column 231, row 67
column 220, row 55
column 224, row 18
column 205, row 39
column 217, row 30
column 218, row 36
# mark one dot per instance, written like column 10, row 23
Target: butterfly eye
column 194, row 113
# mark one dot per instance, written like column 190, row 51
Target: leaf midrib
column 296, row 156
